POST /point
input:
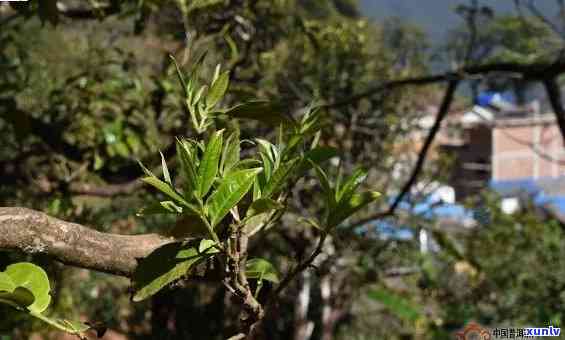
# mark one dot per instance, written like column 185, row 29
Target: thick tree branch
column 32, row 232
column 528, row 71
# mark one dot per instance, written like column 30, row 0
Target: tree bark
column 31, row 232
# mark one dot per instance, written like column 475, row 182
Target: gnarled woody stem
column 32, row 231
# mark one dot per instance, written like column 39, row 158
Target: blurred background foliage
column 86, row 89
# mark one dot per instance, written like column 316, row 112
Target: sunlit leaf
column 166, row 189
column 207, row 246
column 350, row 185
column 280, row 177
column 231, row 152
column 34, row 279
column 166, row 174
column 12, row 295
column 231, row 190
column 218, row 89
column 188, row 167
column 209, row 165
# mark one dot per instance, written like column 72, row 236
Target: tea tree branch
column 31, row 231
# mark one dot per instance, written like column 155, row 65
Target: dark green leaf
column 162, row 267
column 326, row 186
column 231, row 190
column 218, row 89
column 191, row 226
column 179, row 74
column 188, row 167
column 317, row 156
column 280, row 177
column 209, row 165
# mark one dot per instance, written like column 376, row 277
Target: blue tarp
column 430, row 209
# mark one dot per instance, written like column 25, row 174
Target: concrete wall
column 527, row 147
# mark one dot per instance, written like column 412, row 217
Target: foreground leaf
column 34, row 279
column 162, row 267
column 231, row 190
column 165, row 189
column 209, row 165
column 279, row 178
column 218, row 89
column 351, row 184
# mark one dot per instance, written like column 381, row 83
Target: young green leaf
column 34, row 279
column 218, row 89
column 261, row 269
column 166, row 189
column 244, row 164
column 230, row 191
column 209, row 165
column 166, row 174
column 188, row 167
column 231, row 152
column 207, row 246
column 351, row 184
column 145, row 170
column 164, row 207
column 280, row 177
